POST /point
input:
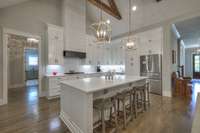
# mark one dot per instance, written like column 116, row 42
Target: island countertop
column 90, row 85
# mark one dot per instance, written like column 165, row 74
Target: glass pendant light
column 131, row 42
column 102, row 30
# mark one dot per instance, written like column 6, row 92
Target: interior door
column 196, row 66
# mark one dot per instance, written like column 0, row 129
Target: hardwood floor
column 25, row 113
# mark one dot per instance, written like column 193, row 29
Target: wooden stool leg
column 144, row 100
column 115, row 113
column 111, row 114
column 148, row 98
column 135, row 104
column 131, row 107
column 118, row 104
column 124, row 112
column 103, row 121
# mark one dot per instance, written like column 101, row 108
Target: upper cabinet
column 74, row 22
column 90, row 51
column 55, row 44
column 109, row 54
column 150, row 42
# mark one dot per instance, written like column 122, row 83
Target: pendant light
column 102, row 29
column 131, row 42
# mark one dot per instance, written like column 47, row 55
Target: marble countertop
column 196, row 122
column 90, row 85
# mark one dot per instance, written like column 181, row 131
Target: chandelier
column 130, row 42
column 102, row 30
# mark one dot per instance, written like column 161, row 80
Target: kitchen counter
column 77, row 99
column 59, row 75
column 89, row 85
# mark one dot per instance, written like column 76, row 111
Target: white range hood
column 74, row 22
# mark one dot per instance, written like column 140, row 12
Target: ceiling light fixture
column 108, row 21
column 32, row 40
column 102, row 30
column 134, row 8
column 130, row 43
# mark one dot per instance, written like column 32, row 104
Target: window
column 197, row 63
column 32, row 60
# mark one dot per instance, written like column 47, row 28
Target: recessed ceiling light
column 108, row 21
column 134, row 8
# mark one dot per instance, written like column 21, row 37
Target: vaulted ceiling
column 6, row 3
column 148, row 12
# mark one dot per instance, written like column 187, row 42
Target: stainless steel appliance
column 150, row 66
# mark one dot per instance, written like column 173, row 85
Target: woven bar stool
column 102, row 105
column 124, row 98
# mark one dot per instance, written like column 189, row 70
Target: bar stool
column 139, row 99
column 102, row 105
column 124, row 98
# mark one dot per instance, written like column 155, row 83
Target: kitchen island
column 77, row 98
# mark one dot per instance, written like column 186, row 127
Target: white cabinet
column 104, row 54
column 52, row 87
column 150, row 42
column 132, row 66
column 74, row 22
column 118, row 55
column 90, row 51
column 55, row 44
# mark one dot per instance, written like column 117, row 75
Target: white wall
column 174, row 46
column 30, row 17
column 182, row 54
column 1, row 65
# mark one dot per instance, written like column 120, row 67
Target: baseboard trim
column 70, row 124
column 167, row 94
column 16, row 86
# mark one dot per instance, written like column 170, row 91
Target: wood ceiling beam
column 112, row 9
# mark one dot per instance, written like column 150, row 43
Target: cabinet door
column 132, row 63
column 150, row 42
column 107, row 56
column 121, row 55
column 90, row 54
column 55, row 45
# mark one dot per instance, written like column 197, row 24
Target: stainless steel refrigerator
column 150, row 66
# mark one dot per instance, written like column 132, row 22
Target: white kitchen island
column 77, row 99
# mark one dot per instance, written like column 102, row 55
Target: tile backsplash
column 78, row 65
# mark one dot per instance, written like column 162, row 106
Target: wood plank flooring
column 25, row 113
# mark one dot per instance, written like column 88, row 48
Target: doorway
column 31, row 66
column 196, row 66
column 15, row 74
column 22, row 67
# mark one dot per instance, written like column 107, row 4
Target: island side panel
column 76, row 109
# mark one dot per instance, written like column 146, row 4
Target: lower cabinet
column 53, row 86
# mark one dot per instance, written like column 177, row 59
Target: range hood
column 74, row 54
